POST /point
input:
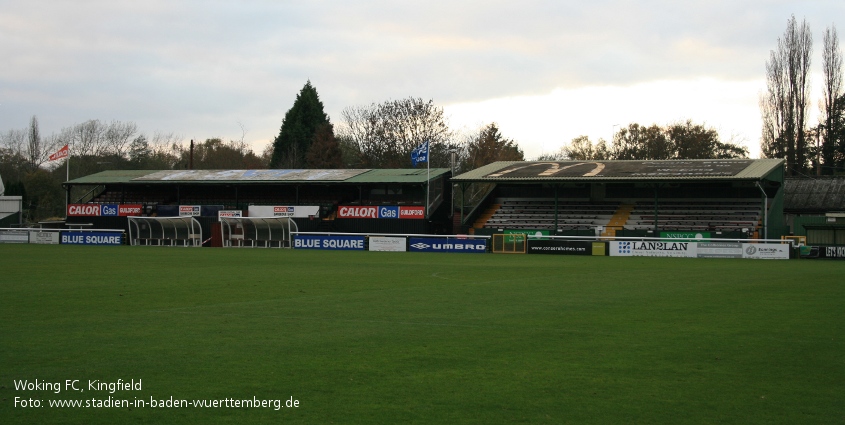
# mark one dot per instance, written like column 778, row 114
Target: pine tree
column 298, row 129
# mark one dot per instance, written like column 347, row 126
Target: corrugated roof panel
column 540, row 171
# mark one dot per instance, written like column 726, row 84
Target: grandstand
column 815, row 208
column 726, row 198
column 348, row 200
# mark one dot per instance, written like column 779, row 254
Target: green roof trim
column 671, row 170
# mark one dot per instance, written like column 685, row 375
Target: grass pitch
column 358, row 337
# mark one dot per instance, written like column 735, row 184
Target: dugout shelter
column 731, row 198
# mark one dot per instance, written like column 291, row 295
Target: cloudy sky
column 546, row 71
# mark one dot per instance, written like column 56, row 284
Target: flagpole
column 67, row 178
column 428, row 175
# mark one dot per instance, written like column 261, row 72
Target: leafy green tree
column 298, row 129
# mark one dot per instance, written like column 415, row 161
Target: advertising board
column 357, row 212
column 447, row 245
column 562, row 247
column 103, row 210
column 700, row 250
column 381, row 243
column 685, row 236
column 384, row 211
column 47, row 238
column 14, row 236
column 832, row 251
column 836, row 252
column 229, row 214
column 91, row 238
column 345, row 243
column 297, row 211
column 653, row 249
column 189, row 211
column 412, row 213
column 719, row 250
column 765, row 251
column 125, row 210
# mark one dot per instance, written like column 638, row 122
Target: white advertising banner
column 653, row 249
column 765, row 251
column 50, row 238
column 297, row 211
column 700, row 250
column 229, row 214
column 14, row 236
column 380, row 243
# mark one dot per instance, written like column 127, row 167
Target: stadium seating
column 732, row 215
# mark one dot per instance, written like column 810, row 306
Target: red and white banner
column 62, row 153
column 125, row 210
column 357, row 212
column 104, row 210
column 83, row 210
column 404, row 213
column 189, row 210
column 412, row 213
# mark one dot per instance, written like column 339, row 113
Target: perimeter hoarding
column 565, row 247
column 700, row 250
column 836, row 252
column 342, row 243
column 384, row 211
column 92, row 238
column 14, row 236
column 381, row 243
column 295, row 211
column 104, row 210
column 46, row 238
column 653, row 249
column 477, row 246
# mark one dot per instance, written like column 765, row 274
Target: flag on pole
column 62, row 153
column 420, row 154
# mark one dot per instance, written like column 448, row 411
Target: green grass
column 362, row 337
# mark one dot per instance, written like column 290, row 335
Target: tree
column 784, row 105
column 581, row 149
column 485, row 146
column 325, row 150
column 694, row 141
column 385, row 134
column 214, row 154
column 44, row 195
column 33, row 138
column 298, row 128
column 638, row 142
column 488, row 146
column 680, row 140
column 831, row 104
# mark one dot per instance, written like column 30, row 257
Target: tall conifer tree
column 298, row 129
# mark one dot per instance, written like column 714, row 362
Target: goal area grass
column 371, row 337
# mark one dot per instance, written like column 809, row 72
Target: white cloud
column 198, row 68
